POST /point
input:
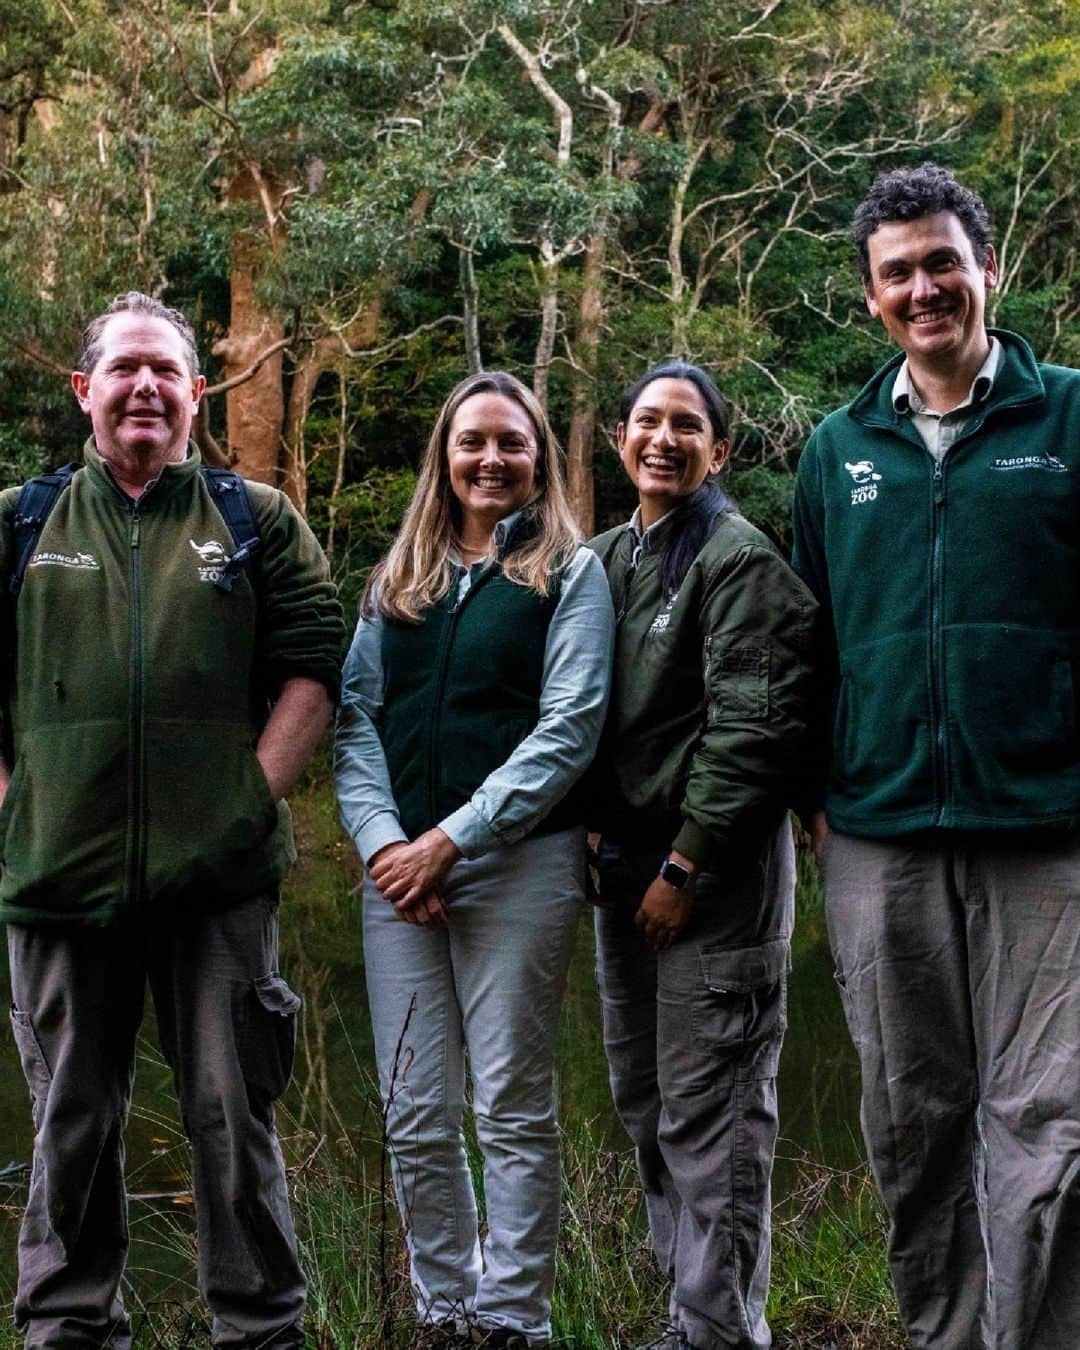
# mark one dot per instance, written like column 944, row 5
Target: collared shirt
column 576, row 681
column 940, row 430
column 646, row 541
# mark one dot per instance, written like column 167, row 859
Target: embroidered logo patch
column 866, row 480
column 663, row 619
column 80, row 562
column 212, row 559
column 1006, row 463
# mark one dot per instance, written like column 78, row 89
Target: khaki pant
column 693, row 1039
column 958, row 960
column 227, row 1023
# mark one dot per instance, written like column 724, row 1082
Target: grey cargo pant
column 227, row 1024
column 693, row 1040
column 958, row 960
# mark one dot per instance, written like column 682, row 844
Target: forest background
column 356, row 203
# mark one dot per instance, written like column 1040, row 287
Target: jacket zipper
column 938, row 702
column 631, row 572
column 447, row 646
column 136, row 785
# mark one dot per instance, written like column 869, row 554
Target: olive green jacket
column 711, row 695
column 135, row 694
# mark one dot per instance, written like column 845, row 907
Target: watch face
column 674, row 873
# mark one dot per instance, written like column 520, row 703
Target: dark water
column 332, row 1094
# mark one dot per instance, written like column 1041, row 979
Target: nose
column 492, row 451
column 923, row 285
column 663, row 436
column 145, row 383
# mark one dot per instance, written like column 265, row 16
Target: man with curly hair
column 937, row 519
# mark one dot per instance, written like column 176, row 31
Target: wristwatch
column 675, row 874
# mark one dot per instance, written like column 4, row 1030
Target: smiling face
column 929, row 291
column 140, row 396
column 667, row 445
column 491, row 456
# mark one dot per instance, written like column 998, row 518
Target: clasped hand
column 408, row 876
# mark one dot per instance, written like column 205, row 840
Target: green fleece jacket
column 134, row 697
column 952, row 596
column 710, row 698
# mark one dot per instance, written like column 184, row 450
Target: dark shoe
column 671, row 1338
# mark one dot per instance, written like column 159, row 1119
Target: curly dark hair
column 910, row 194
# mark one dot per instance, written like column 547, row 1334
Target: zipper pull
column 134, row 531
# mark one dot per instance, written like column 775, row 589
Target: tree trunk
column 254, row 410
column 579, row 445
column 470, row 304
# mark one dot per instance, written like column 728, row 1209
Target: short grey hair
column 135, row 302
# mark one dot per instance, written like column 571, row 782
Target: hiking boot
column 670, row 1338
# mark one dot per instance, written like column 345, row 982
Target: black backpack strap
column 36, row 500
column 232, row 499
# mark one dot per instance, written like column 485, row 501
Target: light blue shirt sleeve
column 517, row 795
column 365, row 799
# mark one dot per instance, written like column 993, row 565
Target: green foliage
column 351, row 152
column 20, row 455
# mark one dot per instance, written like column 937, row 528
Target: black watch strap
column 675, row 874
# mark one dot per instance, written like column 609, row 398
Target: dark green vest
column 461, row 692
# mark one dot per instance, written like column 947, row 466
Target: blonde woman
column 474, row 695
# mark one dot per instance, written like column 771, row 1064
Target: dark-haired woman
column 473, row 697
column 705, row 732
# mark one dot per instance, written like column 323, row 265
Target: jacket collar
column 514, row 530
column 171, row 477
column 1016, row 382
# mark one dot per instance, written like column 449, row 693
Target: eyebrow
column 935, row 255
column 679, row 412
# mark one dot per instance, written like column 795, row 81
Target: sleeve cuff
column 695, row 843
column 470, row 832
column 376, row 833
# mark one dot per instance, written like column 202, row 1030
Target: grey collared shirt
column 576, row 681
column 940, row 430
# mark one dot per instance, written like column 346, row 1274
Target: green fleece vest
column 462, row 691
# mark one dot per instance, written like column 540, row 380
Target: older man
column 161, row 698
column 937, row 519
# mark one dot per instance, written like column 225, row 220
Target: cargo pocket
column 742, row 1010
column 266, row 1037
column 738, row 682
column 34, row 1064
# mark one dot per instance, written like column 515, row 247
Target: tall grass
column 830, row 1288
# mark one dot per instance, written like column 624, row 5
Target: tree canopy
column 356, row 203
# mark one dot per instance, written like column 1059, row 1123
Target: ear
column 80, row 382
column 990, row 268
column 197, row 392
column 871, row 304
column 721, row 453
column 620, row 438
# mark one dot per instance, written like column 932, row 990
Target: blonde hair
column 416, row 573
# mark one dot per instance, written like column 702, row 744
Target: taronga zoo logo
column 212, row 559
column 866, row 481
